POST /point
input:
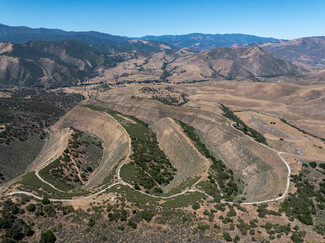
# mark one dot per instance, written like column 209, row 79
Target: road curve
column 121, row 182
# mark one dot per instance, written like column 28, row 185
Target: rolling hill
column 63, row 63
column 308, row 51
column 217, row 64
column 50, row 64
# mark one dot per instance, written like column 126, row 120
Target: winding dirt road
column 193, row 189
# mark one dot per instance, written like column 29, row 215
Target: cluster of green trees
column 29, row 111
column 263, row 211
column 165, row 73
column 138, row 177
column 240, row 125
column 131, row 218
column 218, row 171
column 307, row 201
column 85, row 150
column 13, row 215
column 47, row 237
column 167, row 100
column 15, row 228
column 172, row 100
column 149, row 157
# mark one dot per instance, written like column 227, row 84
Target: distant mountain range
column 251, row 62
column 54, row 58
column 226, row 63
column 113, row 43
column 199, row 42
column 104, row 42
column 22, row 34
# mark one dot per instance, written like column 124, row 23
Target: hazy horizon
column 278, row 19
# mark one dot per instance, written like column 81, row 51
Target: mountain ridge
column 105, row 42
column 199, row 41
column 21, row 34
column 50, row 64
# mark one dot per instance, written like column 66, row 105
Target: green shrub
column 45, row 201
column 203, row 227
column 31, row 207
column 147, row 215
column 91, row 222
column 313, row 164
column 196, row 206
column 298, row 237
column 132, row 224
column 226, row 236
column 47, row 237
column 236, row 239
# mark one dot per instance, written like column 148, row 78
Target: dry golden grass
column 261, row 168
column 257, row 104
column 180, row 151
column 294, row 141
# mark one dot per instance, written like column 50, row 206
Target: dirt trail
column 102, row 125
column 121, row 182
column 77, row 168
column 113, row 135
column 262, row 170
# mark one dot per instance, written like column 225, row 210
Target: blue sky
column 270, row 18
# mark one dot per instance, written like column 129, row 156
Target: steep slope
column 230, row 63
column 111, row 133
column 185, row 66
column 50, row 64
column 199, row 42
column 309, row 51
column 261, row 169
column 180, row 150
column 252, row 60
